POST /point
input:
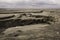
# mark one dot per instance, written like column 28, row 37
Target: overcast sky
column 29, row 3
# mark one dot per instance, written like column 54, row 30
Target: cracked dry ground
column 32, row 32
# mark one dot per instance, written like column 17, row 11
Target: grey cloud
column 31, row 3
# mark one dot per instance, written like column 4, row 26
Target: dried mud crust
column 20, row 22
column 36, row 32
column 42, row 33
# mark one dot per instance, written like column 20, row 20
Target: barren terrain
column 37, row 31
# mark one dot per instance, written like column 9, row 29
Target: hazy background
column 29, row 3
